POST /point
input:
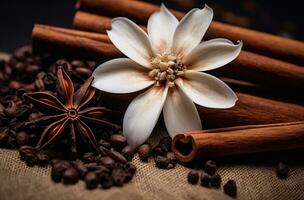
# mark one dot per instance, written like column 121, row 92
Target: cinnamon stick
column 238, row 140
column 251, row 67
column 259, row 42
column 249, row 110
column 67, row 42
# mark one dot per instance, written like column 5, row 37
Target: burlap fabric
column 254, row 175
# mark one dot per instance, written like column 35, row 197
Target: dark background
column 17, row 17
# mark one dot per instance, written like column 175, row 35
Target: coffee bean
column 157, row 151
column 22, row 138
column 4, row 135
column 107, row 161
column 144, row 152
column 205, row 179
column 43, row 159
column 118, row 141
column 106, row 182
column 83, row 72
column 172, row 158
column 58, row 169
column 53, row 162
column 216, row 181
column 193, row 177
column 70, row 176
column 77, row 63
column 91, row 180
column 104, row 143
column 117, row 156
column 118, row 176
column 81, row 168
column 131, row 168
column 282, row 170
column 91, row 166
column 210, row 167
column 162, row 162
column 128, row 152
column 88, row 157
column 165, row 143
column 230, row 188
column 15, row 85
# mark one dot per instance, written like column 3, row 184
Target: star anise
column 69, row 116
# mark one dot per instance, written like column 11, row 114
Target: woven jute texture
column 255, row 177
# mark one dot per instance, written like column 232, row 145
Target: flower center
column 72, row 113
column 166, row 68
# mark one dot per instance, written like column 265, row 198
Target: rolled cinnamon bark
column 249, row 110
column 259, row 42
column 238, row 140
column 250, row 67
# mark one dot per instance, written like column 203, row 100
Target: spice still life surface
column 142, row 101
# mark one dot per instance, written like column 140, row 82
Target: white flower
column 171, row 62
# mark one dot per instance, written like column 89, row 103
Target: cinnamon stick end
column 184, row 147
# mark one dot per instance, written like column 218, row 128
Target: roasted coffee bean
column 117, row 156
column 77, row 63
column 157, row 151
column 172, row 158
column 165, row 143
column 128, row 152
column 91, row 180
column 162, row 162
column 22, row 138
column 118, row 141
column 216, row 181
column 81, row 168
column 32, row 69
column 193, row 177
column 118, row 176
column 43, row 159
column 205, row 179
column 106, row 181
column 11, row 110
column 103, row 151
column 34, row 116
column 210, row 167
column 282, row 170
column 39, row 84
column 88, row 157
column 230, row 188
column 24, row 150
column 70, row 176
column 15, row 85
column 83, row 72
column 171, row 166
column 101, row 170
column 53, row 162
column 58, row 169
column 104, row 143
column 91, row 166
column 4, row 135
column 107, row 161
column 130, row 168
column 91, row 64
column 144, row 152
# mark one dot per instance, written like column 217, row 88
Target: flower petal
column 206, row 90
column 180, row 113
column 121, row 75
column 142, row 115
column 161, row 28
column 191, row 29
column 212, row 54
column 66, row 86
column 131, row 40
column 45, row 102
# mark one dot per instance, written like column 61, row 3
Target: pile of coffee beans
column 209, row 177
column 163, row 157
column 26, row 72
